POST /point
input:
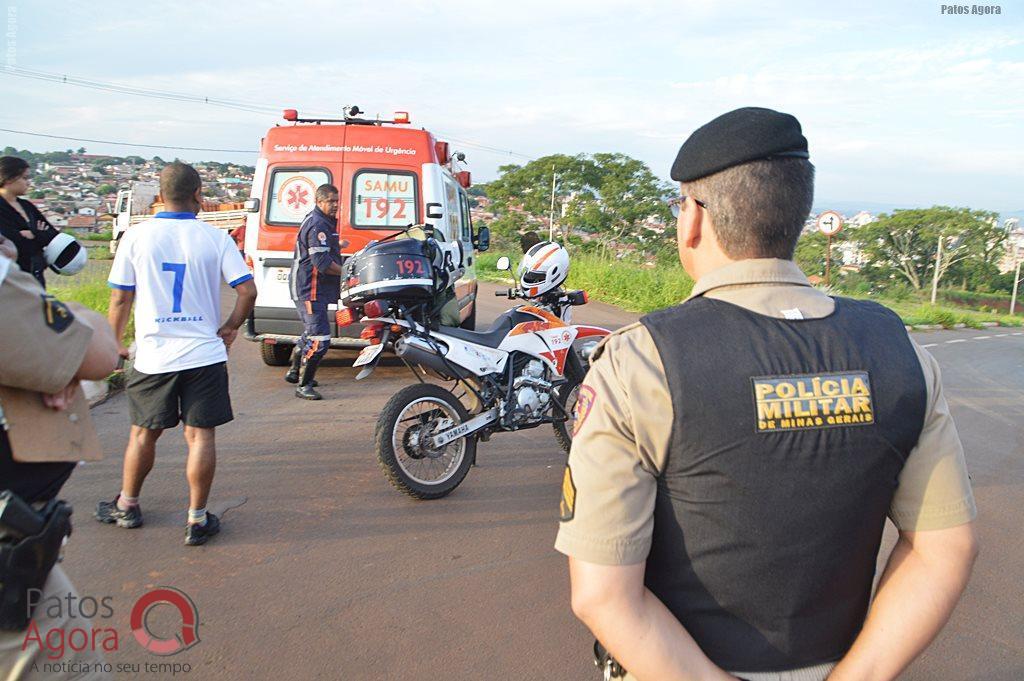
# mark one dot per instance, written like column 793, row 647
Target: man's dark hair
column 179, row 182
column 11, row 168
column 326, row 191
column 758, row 208
column 528, row 241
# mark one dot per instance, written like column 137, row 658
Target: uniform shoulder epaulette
column 617, row 332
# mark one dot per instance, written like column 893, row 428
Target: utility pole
column 935, row 278
column 551, row 215
column 1016, row 280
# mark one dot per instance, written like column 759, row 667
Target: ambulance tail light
column 375, row 308
column 248, row 263
column 402, row 117
column 463, row 179
column 344, row 317
column 291, row 115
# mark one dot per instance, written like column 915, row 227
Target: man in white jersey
column 172, row 267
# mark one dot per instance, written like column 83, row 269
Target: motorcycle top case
column 399, row 270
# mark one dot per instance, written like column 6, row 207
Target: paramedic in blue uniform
column 315, row 282
column 736, row 456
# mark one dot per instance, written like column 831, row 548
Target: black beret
column 737, row 137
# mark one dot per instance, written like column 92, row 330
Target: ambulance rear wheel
column 276, row 355
column 405, row 451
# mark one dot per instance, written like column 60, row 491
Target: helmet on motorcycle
column 544, row 267
column 65, row 255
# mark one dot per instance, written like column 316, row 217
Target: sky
column 901, row 103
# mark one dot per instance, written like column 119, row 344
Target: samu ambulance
column 388, row 176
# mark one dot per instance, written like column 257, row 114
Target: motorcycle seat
column 490, row 338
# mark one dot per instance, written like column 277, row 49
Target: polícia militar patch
column 56, row 314
column 567, row 507
column 810, row 401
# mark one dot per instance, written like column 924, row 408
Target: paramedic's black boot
column 306, row 382
column 293, row 373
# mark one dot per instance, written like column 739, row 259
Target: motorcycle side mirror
column 504, row 264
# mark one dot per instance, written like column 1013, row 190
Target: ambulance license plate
column 368, row 354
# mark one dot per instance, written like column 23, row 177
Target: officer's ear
column 690, row 226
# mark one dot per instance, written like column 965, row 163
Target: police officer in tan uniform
column 736, row 456
column 46, row 347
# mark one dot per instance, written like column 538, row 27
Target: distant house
column 862, row 218
column 87, row 211
column 82, row 222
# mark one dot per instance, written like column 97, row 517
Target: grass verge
column 637, row 288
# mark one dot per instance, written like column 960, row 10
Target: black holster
column 608, row 665
column 25, row 563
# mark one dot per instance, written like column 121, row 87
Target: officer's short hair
column 758, row 208
column 179, row 182
column 326, row 191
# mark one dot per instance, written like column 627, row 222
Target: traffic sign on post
column 829, row 223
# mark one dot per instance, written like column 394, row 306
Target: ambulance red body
column 388, row 175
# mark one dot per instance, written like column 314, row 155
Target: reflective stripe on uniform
column 318, row 249
column 319, row 338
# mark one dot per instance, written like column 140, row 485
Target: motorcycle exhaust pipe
column 417, row 351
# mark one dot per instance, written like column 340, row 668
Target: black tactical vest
column 788, row 439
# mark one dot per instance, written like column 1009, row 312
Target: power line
column 250, row 107
column 128, row 144
column 107, row 86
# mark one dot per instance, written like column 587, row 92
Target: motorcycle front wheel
column 567, row 394
column 409, row 460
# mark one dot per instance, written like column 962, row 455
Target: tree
column 608, row 195
column 81, row 150
column 905, row 243
column 106, row 189
column 810, row 253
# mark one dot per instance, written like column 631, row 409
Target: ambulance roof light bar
column 351, row 113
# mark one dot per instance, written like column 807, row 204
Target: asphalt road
column 322, row 570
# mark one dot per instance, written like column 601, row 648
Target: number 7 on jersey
column 179, row 282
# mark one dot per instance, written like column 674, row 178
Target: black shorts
column 198, row 397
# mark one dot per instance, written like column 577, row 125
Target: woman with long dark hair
column 21, row 221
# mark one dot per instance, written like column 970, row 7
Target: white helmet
column 544, row 268
column 65, row 255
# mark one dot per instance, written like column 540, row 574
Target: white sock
column 124, row 502
column 197, row 516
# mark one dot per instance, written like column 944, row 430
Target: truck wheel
column 276, row 355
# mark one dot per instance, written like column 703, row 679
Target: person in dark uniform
column 21, row 221
column 315, row 282
column 736, row 456
column 46, row 348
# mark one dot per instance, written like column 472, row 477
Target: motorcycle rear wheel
column 414, row 414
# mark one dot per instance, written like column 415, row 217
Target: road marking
column 929, row 345
column 958, row 340
column 981, row 337
column 1000, row 335
column 1019, row 333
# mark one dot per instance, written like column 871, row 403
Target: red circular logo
column 187, row 637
